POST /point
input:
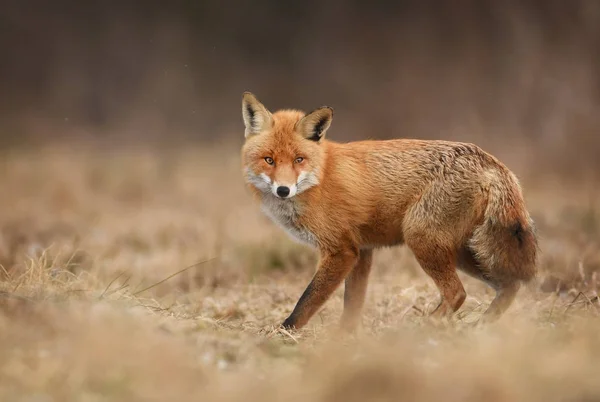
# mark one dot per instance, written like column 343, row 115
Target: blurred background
column 173, row 72
column 120, row 136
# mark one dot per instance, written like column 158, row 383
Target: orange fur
column 453, row 204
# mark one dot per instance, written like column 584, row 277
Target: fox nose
column 283, row 191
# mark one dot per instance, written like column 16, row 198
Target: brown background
column 495, row 72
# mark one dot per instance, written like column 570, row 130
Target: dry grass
column 91, row 308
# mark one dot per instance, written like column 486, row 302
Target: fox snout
column 284, row 191
column 279, row 189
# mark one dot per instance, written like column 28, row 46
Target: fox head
column 283, row 153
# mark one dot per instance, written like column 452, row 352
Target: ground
column 151, row 275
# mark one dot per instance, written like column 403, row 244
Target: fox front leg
column 333, row 269
column 356, row 289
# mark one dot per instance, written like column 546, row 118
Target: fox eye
column 269, row 160
column 299, row 159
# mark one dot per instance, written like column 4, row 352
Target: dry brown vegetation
column 88, row 236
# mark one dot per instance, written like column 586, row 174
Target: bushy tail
column 505, row 244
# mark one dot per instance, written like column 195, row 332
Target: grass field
column 100, row 298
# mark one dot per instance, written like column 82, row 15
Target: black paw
column 288, row 324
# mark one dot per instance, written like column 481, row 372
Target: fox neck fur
column 286, row 213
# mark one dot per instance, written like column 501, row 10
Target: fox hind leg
column 451, row 290
column 504, row 298
column 505, row 290
column 439, row 264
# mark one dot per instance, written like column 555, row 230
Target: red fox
column 453, row 204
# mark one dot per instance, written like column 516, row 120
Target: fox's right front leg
column 333, row 269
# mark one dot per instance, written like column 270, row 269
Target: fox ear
column 314, row 125
column 256, row 116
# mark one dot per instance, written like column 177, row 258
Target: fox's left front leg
column 356, row 289
column 332, row 270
